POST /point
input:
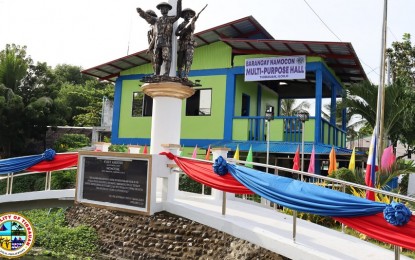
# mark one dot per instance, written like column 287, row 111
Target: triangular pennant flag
column 194, row 155
column 296, row 160
column 249, row 158
column 388, row 158
column 352, row 163
column 207, row 157
column 236, row 155
column 145, row 150
column 312, row 161
column 333, row 162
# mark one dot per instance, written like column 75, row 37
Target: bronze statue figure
column 163, row 40
column 187, row 43
column 151, row 36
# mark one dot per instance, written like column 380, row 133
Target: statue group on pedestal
column 160, row 37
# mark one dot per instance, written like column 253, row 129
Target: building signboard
column 275, row 68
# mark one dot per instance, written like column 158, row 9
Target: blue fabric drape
column 304, row 197
column 19, row 164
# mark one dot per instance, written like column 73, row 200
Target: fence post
column 50, row 179
column 11, row 184
column 344, row 191
column 397, row 252
column 294, row 225
column 8, row 183
column 216, row 152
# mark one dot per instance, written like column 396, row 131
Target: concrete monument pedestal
column 167, row 111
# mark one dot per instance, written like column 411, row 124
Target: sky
column 87, row 33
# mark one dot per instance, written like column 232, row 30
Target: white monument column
column 167, row 112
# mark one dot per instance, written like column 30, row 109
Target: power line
column 322, row 21
column 311, row 8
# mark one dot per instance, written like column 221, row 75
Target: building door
column 245, row 105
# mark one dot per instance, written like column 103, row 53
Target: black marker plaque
column 115, row 180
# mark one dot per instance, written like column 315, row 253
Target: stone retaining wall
column 161, row 236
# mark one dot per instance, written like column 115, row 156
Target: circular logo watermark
column 16, row 235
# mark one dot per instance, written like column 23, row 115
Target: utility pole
column 380, row 114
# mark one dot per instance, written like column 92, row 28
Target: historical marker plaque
column 114, row 180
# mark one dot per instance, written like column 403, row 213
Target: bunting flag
column 145, row 150
column 207, row 157
column 312, row 161
column 236, row 155
column 352, row 163
column 296, row 165
column 364, row 215
column 388, row 158
column 249, row 158
column 371, row 167
column 333, row 162
column 194, row 154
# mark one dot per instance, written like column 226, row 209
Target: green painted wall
column 309, row 130
column 207, row 127
column 203, row 59
column 269, row 97
column 240, row 131
column 143, row 69
column 193, row 127
column 276, row 130
column 212, row 56
column 248, row 88
column 216, row 55
column 131, row 127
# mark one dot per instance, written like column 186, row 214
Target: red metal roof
column 247, row 36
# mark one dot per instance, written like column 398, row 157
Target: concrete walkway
column 273, row 230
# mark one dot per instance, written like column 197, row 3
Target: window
column 245, row 105
column 200, row 103
column 142, row 105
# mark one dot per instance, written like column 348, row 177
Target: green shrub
column 321, row 220
column 403, row 186
column 26, row 183
column 71, row 142
column 345, row 175
column 51, row 233
column 120, row 148
column 63, row 180
column 189, row 185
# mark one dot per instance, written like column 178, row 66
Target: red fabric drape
column 376, row 227
column 61, row 161
column 203, row 172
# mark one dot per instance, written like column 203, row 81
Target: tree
column 71, row 74
column 362, row 100
column 33, row 97
column 13, row 65
column 11, row 129
column 402, row 59
column 352, row 121
column 85, row 101
column 40, row 81
column 289, row 107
